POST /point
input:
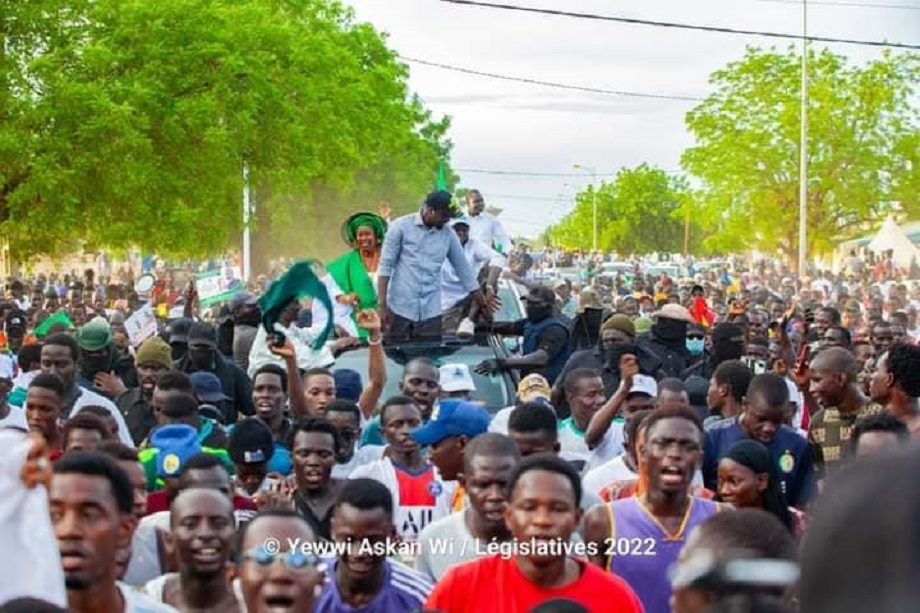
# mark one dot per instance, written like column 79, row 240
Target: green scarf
column 349, row 274
column 297, row 282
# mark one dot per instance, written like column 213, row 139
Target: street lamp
column 593, row 173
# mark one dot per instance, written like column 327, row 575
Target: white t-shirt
column 601, row 476
column 15, row 419
column 573, row 446
column 410, row 520
column 89, row 398
column 362, row 456
column 500, row 420
column 138, row 602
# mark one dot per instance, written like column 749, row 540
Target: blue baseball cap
column 452, row 417
column 207, row 387
column 348, row 384
column 175, row 444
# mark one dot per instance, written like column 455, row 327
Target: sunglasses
column 293, row 560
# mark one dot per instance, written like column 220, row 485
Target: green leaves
column 862, row 143
column 126, row 122
column 641, row 211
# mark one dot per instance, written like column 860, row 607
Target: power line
column 593, row 90
column 680, row 26
column 527, row 173
column 907, row 7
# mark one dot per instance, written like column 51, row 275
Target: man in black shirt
column 546, row 339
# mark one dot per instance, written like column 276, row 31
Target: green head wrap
column 371, row 220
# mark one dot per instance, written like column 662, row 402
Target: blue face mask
column 695, row 346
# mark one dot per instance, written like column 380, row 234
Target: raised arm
column 376, row 364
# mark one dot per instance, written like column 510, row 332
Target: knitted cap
column 154, row 350
column 620, row 322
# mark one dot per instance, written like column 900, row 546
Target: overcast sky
column 500, row 125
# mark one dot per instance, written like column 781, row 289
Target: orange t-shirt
column 496, row 585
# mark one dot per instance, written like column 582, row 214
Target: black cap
column 178, row 330
column 202, row 333
column 250, row 442
column 17, row 319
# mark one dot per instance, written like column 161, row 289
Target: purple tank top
column 641, row 552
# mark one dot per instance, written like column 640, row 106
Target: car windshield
column 510, row 309
column 493, row 392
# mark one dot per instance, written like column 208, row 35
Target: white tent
column 890, row 236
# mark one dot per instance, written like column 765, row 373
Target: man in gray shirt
column 409, row 275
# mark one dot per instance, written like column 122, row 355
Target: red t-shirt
column 496, row 584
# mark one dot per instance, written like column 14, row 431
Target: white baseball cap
column 456, row 378
column 643, row 384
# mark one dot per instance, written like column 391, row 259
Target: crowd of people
column 728, row 441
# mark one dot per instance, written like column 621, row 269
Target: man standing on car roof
column 409, row 277
column 546, row 339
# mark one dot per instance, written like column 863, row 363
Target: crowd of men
column 687, row 445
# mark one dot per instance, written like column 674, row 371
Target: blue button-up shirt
column 412, row 257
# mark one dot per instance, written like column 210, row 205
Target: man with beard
column 200, row 540
column 668, row 339
column 419, row 496
column 763, row 412
column 727, row 344
column 61, row 357
column 91, row 511
column 362, row 578
column 618, row 338
column 727, row 389
column 545, row 349
column 290, row 586
column 153, row 358
column 484, row 227
column 542, row 513
column 639, row 538
column 488, row 462
column 203, row 356
column 833, row 385
column 101, row 368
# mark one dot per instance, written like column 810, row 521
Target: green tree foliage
column 128, row 121
column 864, row 149
column 641, row 211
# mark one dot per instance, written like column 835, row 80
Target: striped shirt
column 403, row 590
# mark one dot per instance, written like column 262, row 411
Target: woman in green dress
column 352, row 277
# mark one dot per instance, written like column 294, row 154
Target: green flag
column 442, row 177
column 299, row 281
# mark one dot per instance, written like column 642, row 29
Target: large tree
column 129, row 121
column 863, row 149
column 642, row 210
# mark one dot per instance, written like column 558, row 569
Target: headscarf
column 755, row 456
column 371, row 220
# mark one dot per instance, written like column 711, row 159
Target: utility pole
column 803, row 149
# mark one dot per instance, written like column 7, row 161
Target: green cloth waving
column 57, row 318
column 298, row 282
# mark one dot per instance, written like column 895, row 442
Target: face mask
column 92, row 365
column 671, row 330
column 695, row 346
column 202, row 359
column 618, row 350
column 538, row 313
column 178, row 351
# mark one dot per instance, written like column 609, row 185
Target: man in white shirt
column 459, row 310
column 10, row 416
column 486, row 228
